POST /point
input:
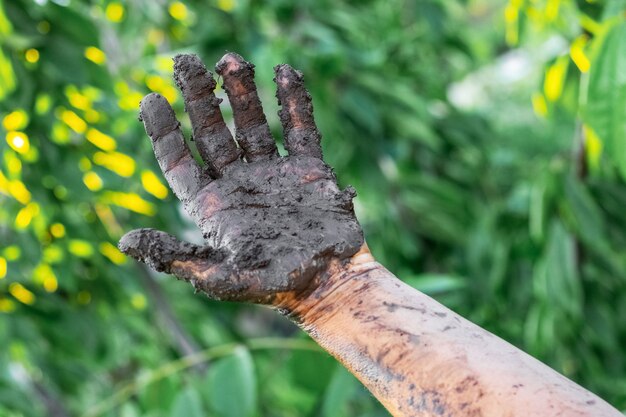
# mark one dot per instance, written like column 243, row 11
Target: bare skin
column 280, row 232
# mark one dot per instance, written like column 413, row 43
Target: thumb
column 165, row 253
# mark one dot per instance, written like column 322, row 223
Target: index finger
column 180, row 169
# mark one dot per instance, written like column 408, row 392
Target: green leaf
column 311, row 370
column 435, row 283
column 129, row 410
column 341, row 388
column 587, row 214
column 187, row 404
column 231, row 385
column 160, row 395
column 358, row 105
column 613, row 8
column 556, row 279
column 539, row 329
column 605, row 111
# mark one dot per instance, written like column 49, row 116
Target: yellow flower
column 178, row 10
column 57, row 230
column 112, row 253
column 555, row 79
column 80, row 248
column 577, row 53
column 76, row 98
column 101, row 140
column 31, row 55
column 45, row 276
column 129, row 201
column 25, row 215
column 74, row 121
column 95, row 55
column 114, row 12
column 16, row 120
column 123, row 165
column 18, row 141
column 3, row 267
column 19, row 191
column 92, row 181
column 153, row 185
column 21, row 294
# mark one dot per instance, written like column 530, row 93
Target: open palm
column 271, row 224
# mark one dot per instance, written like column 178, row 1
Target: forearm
column 421, row 359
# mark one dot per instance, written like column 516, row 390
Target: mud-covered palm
column 271, row 224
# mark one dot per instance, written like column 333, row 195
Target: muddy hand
column 271, row 224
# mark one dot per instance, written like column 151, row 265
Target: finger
column 181, row 171
column 296, row 113
column 165, row 253
column 253, row 133
column 213, row 139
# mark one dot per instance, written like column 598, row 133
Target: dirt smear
column 282, row 220
column 296, row 114
column 272, row 224
column 252, row 131
column 212, row 137
column 159, row 250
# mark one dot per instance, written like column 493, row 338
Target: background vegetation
column 486, row 141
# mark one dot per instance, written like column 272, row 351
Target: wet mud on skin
column 296, row 114
column 271, row 224
column 159, row 250
column 210, row 133
column 183, row 174
column 252, row 131
column 283, row 220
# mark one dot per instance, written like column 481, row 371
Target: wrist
column 330, row 289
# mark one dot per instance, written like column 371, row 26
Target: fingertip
column 228, row 62
column 135, row 239
column 286, row 75
column 157, row 115
column 231, row 62
column 154, row 102
column 188, row 62
column 191, row 75
column 150, row 246
column 134, row 244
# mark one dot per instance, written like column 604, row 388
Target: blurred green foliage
column 487, row 143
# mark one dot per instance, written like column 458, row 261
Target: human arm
column 280, row 232
column 419, row 358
